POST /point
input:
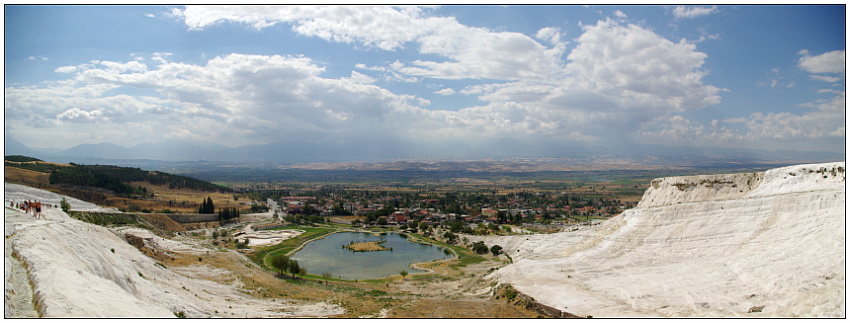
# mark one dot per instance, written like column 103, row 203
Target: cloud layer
column 618, row 82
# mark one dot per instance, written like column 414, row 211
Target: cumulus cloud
column 383, row 27
column 472, row 52
column 66, row 69
column 693, row 12
column 829, row 62
column 618, row 77
column 233, row 98
column 446, row 91
column 823, row 119
column 549, row 34
column 77, row 114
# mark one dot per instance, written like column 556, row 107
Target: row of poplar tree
column 227, row 213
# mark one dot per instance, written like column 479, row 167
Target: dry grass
column 182, row 200
column 20, row 175
column 441, row 297
column 175, row 200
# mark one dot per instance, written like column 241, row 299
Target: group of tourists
column 33, row 207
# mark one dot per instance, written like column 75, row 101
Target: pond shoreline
column 405, row 256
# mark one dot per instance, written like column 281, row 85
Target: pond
column 328, row 256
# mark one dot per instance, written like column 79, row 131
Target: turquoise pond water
column 328, row 256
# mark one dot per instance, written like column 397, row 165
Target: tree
column 403, row 274
column 207, row 206
column 65, row 205
column 281, row 263
column 496, row 249
column 456, row 226
column 294, row 268
column 479, row 247
column 450, row 237
column 227, row 213
column 284, row 264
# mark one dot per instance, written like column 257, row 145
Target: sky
column 766, row 77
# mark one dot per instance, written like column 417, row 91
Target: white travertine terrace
column 768, row 244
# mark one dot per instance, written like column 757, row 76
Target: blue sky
column 769, row 77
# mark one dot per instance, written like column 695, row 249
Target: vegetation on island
column 367, row 246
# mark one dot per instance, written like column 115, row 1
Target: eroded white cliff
column 743, row 245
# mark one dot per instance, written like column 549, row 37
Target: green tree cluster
column 207, row 206
column 479, row 247
column 21, row 159
column 284, row 264
column 496, row 249
column 65, row 205
column 227, row 213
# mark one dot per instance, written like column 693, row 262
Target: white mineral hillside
column 766, row 244
column 60, row 267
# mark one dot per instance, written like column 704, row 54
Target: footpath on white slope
column 769, row 244
column 58, row 267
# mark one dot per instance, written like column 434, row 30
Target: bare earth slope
column 766, row 244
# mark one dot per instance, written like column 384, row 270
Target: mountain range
column 300, row 152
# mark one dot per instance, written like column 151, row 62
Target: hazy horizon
column 462, row 78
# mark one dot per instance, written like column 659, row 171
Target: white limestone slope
column 766, row 244
column 59, row 267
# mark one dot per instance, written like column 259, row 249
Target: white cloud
column 66, row 69
column 161, row 57
column 384, row 27
column 472, row 52
column 549, row 34
column 360, row 78
column 829, row 62
column 233, row 99
column 693, row 12
column 618, row 77
column 77, row 114
column 630, row 67
column 446, row 91
column 822, row 123
column 830, row 79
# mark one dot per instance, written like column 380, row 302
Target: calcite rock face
column 765, row 244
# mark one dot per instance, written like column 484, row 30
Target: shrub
column 65, row 205
column 479, row 247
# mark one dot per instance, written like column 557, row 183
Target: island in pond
column 366, row 246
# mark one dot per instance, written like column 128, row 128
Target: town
column 479, row 212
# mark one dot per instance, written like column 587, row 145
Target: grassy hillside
column 112, row 178
column 130, row 189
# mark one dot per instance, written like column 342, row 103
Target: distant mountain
column 180, row 150
column 389, row 149
column 101, row 150
column 14, row 147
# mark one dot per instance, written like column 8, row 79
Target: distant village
column 369, row 208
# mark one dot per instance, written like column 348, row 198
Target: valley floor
column 57, row 267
